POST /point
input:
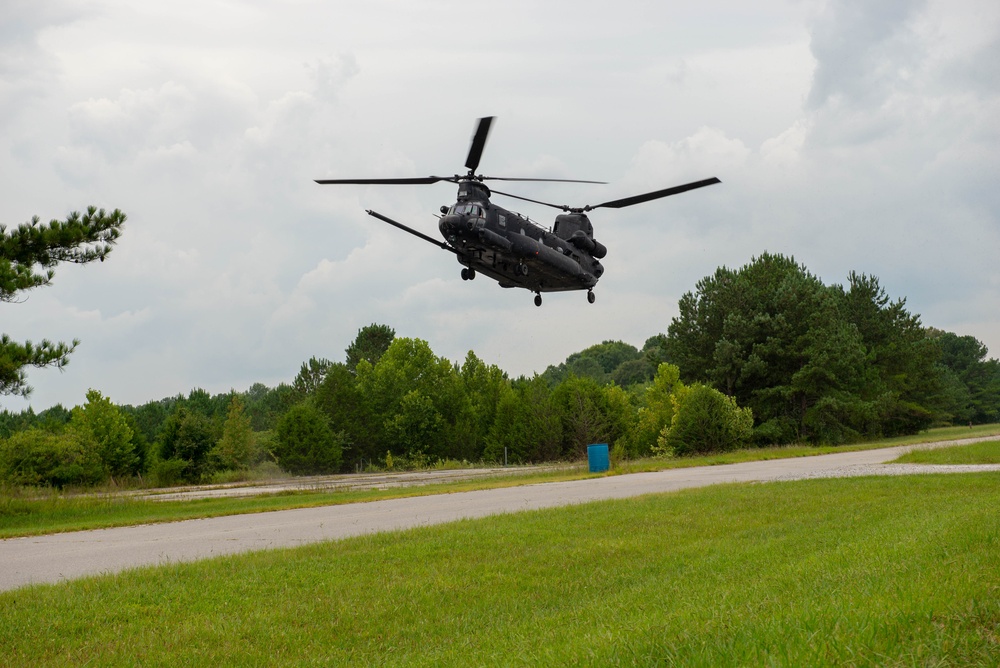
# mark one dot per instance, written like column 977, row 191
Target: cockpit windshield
column 468, row 209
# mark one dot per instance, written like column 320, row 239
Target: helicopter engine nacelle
column 600, row 250
column 582, row 241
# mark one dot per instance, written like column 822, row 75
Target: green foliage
column 369, row 345
column 705, row 420
column 654, row 413
column 589, row 413
column 415, row 426
column 237, row 449
column 28, row 254
column 482, row 386
column 525, row 424
column 436, row 401
column 814, row 363
column 973, row 381
column 104, row 428
column 602, row 363
column 37, row 457
column 266, row 405
column 188, row 436
column 304, row 442
column 310, row 377
column 169, row 472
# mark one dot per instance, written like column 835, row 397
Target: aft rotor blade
column 478, row 143
column 418, row 180
column 528, row 199
column 639, row 199
column 405, row 228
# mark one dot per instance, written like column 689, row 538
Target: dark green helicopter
column 508, row 247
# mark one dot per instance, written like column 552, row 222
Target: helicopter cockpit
column 467, row 209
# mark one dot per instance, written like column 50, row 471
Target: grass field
column 987, row 452
column 864, row 571
column 34, row 512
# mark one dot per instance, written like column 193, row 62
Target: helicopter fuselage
column 517, row 252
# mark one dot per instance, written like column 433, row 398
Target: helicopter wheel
column 465, row 274
column 591, row 296
column 538, row 300
column 472, row 273
column 468, row 274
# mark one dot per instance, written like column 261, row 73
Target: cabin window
column 503, row 221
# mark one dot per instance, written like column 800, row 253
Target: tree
column 416, row 427
column 587, row 415
column 304, row 442
column 903, row 356
column 977, row 378
column 655, row 411
column 369, row 345
column 482, row 386
column 410, row 365
column 236, row 450
column 598, row 362
column 187, row 437
column 265, row 405
column 341, row 401
column 526, row 424
column 813, row 362
column 310, row 376
column 105, row 428
column 28, row 255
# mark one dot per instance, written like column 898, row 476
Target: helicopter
column 508, row 247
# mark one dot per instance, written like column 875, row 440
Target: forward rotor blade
column 514, row 178
column 478, row 143
column 406, row 228
column 417, row 180
column 639, row 199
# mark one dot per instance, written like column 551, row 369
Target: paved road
column 59, row 557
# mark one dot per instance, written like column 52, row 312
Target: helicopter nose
column 450, row 223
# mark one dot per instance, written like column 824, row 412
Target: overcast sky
column 851, row 135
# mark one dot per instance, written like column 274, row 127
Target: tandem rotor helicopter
column 509, row 248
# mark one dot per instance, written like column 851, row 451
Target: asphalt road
column 60, row 557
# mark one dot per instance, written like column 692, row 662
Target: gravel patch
column 856, row 470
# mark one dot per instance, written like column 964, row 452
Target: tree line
column 765, row 354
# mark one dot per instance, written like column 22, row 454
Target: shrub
column 168, row 472
column 304, row 442
column 705, row 420
column 38, row 457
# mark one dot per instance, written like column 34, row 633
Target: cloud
column 850, row 136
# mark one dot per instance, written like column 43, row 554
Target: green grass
column 987, row 452
column 866, row 571
column 30, row 512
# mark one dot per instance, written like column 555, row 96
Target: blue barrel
column 597, row 456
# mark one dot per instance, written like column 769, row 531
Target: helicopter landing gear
column 468, row 274
column 591, row 296
column 538, row 299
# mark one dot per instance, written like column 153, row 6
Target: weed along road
column 59, row 557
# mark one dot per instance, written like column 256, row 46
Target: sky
column 853, row 136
